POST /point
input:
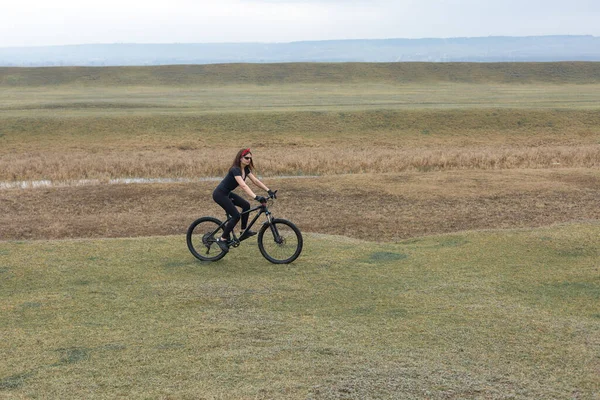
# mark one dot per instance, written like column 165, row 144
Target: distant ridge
column 477, row 49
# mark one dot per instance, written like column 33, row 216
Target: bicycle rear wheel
column 202, row 239
column 280, row 242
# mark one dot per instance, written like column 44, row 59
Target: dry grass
column 59, row 125
column 375, row 206
column 306, row 143
column 277, row 160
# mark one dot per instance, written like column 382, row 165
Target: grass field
column 174, row 122
column 450, row 214
column 581, row 73
column 506, row 314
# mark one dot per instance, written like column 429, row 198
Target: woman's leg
column 241, row 202
column 227, row 204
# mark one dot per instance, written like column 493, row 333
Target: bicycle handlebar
column 270, row 198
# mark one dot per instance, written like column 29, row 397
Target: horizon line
column 296, row 41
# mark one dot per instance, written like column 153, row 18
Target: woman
column 241, row 169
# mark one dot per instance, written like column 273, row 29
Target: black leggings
column 229, row 201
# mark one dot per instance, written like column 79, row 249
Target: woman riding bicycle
column 241, row 169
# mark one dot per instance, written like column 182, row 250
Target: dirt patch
column 378, row 207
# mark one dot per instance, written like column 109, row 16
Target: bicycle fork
column 273, row 228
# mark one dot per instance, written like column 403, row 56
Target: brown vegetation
column 405, row 149
column 305, row 143
column 381, row 207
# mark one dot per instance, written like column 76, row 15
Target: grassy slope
column 174, row 121
column 560, row 72
column 510, row 314
column 79, row 133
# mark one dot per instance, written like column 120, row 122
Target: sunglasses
column 247, row 158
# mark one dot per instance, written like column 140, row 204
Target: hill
column 478, row 49
column 305, row 73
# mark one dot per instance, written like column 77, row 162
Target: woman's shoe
column 223, row 245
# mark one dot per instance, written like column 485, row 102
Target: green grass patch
column 295, row 128
column 473, row 315
column 14, row 382
column 382, row 256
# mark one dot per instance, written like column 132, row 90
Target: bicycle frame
column 263, row 209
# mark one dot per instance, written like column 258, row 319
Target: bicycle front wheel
column 202, row 239
column 280, row 242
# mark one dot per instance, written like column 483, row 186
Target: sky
column 64, row 22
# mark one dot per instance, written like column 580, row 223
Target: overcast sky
column 58, row 22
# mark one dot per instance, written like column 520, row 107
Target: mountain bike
column 279, row 240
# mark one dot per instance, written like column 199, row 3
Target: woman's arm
column 257, row 182
column 245, row 187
